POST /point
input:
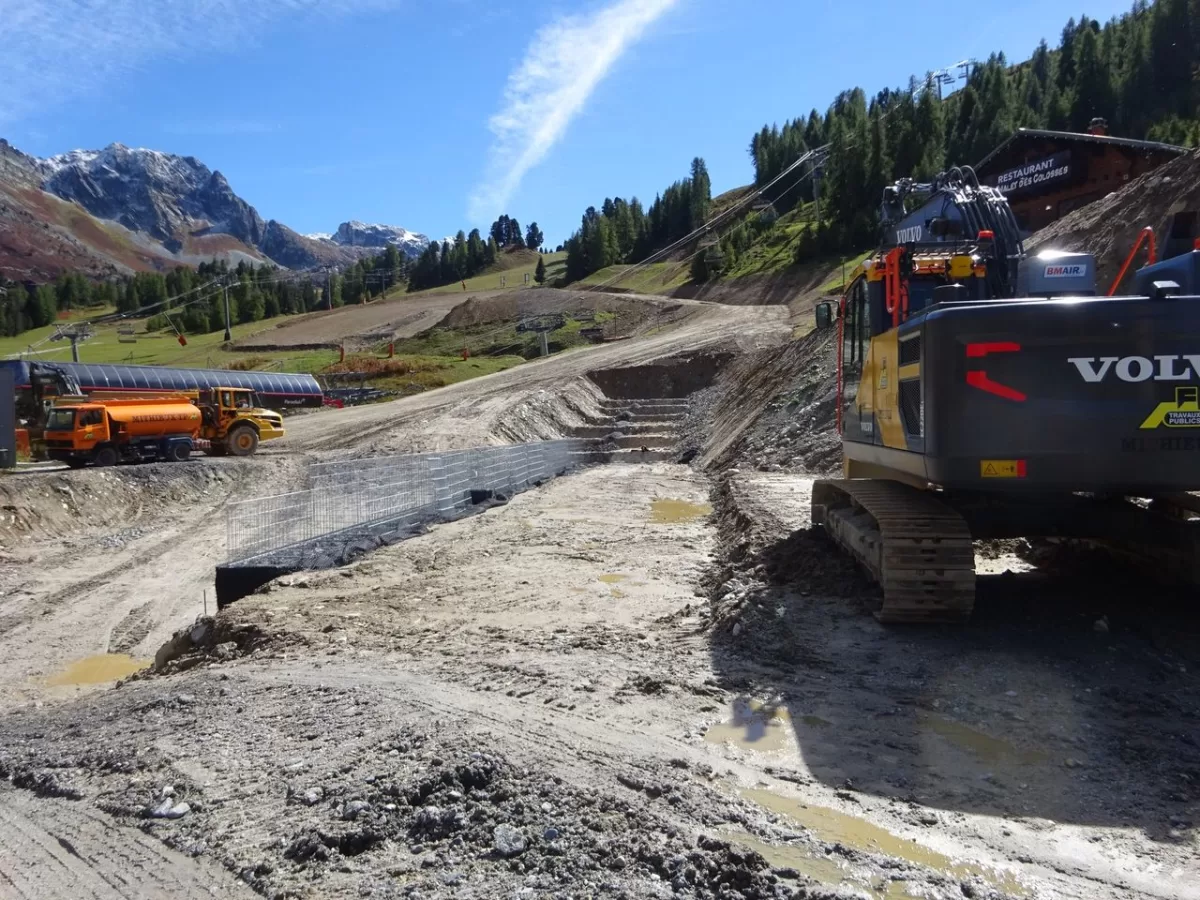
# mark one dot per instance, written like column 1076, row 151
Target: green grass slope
column 508, row 272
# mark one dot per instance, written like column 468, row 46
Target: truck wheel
column 242, row 441
column 105, row 456
column 179, row 452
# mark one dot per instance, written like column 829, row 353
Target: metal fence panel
column 354, row 499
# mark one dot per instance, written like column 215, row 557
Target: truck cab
column 77, row 428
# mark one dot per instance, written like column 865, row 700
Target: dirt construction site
column 645, row 678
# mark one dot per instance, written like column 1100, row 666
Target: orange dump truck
column 105, row 432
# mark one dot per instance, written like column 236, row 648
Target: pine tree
column 1172, row 56
column 1066, row 56
column 929, row 124
column 534, row 237
column 491, row 252
column 539, row 274
column 461, row 268
column 879, row 167
column 1093, row 84
column 701, row 193
column 499, row 231
column 42, row 306
column 129, row 298
column 392, row 264
column 600, row 243
column 446, row 270
column 815, row 134
column 475, row 251
column 623, row 227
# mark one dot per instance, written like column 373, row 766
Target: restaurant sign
column 1035, row 175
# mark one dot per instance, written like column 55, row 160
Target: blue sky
column 439, row 116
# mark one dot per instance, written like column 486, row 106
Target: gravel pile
column 422, row 813
column 773, row 410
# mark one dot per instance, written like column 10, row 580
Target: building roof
column 1075, row 136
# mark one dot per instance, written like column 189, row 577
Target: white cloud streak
column 54, row 50
column 565, row 62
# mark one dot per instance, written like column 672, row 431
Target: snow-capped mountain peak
column 361, row 234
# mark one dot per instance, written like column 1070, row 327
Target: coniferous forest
column 1139, row 71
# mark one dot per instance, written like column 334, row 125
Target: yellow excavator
column 984, row 393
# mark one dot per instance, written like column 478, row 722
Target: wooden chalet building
column 1047, row 174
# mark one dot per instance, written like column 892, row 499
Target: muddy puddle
column 98, row 670
column 836, row 827
column 673, row 512
column 983, row 746
column 833, row 871
column 754, row 725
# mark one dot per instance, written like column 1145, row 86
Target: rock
column 508, row 841
column 354, row 809
column 631, row 782
column 168, row 791
column 1101, row 625
column 168, row 809
column 198, row 633
column 550, row 834
column 1072, row 763
column 313, row 796
column 428, row 817
column 737, row 628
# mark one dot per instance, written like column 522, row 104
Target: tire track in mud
column 11, row 623
column 133, row 629
column 51, row 848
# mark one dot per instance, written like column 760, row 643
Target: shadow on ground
column 1071, row 695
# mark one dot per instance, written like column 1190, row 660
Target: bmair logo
column 1075, row 271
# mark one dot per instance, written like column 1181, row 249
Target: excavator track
column 917, row 548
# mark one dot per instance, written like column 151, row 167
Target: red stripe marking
column 981, row 381
column 983, row 349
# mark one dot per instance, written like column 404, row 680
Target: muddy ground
column 601, row 689
column 634, row 681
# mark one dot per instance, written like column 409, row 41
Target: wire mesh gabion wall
column 355, row 501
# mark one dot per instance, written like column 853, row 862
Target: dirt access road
column 544, row 701
column 472, row 412
column 357, row 325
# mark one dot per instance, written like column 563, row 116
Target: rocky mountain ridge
column 122, row 209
